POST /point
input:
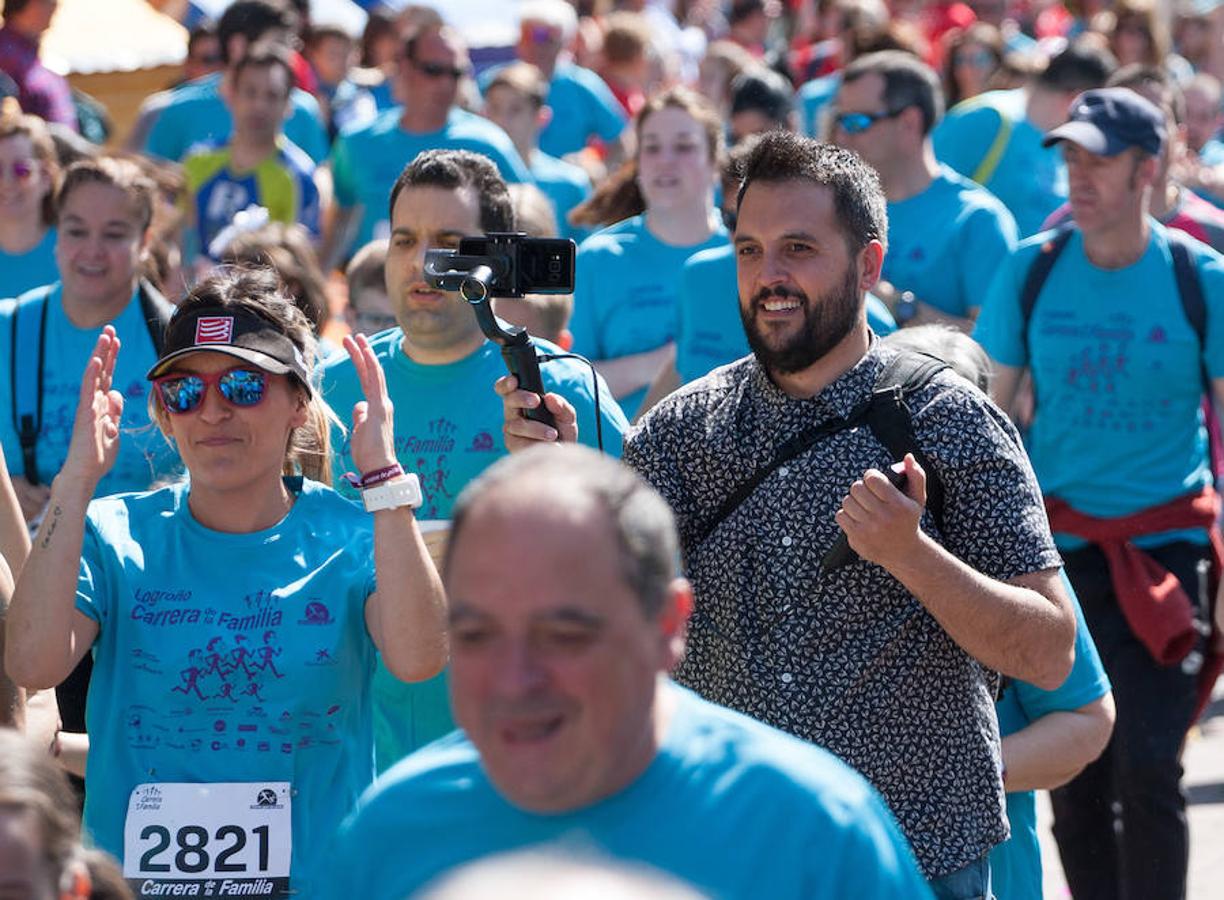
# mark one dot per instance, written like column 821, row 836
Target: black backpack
column 884, row 412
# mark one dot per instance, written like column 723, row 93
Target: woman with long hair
column 974, row 55
column 659, row 209
column 234, row 617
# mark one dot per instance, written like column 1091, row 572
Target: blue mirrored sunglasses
column 181, row 393
column 858, row 122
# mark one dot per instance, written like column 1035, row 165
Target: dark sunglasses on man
column 439, row 70
column 858, row 122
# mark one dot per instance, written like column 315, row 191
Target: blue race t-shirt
column 731, row 806
column 1015, row 865
column 709, row 331
column 945, row 244
column 625, row 293
column 448, row 429
column 566, row 186
column 21, row 272
column 583, row 107
column 1116, row 373
column 366, row 161
column 195, row 114
column 145, row 455
column 1030, row 179
column 229, row 658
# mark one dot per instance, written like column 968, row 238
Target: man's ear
column 543, row 117
column 870, row 262
column 673, row 620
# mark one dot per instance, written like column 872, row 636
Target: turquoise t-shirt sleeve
column 999, row 327
column 963, row 139
column 572, row 380
column 92, row 596
column 344, row 178
column 989, row 238
column 879, row 317
column 165, row 140
column 1086, row 682
column 1211, row 276
column 305, row 126
column 584, row 322
column 510, row 164
column 609, row 117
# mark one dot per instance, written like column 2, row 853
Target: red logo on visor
column 214, row 330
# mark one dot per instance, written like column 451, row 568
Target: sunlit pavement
column 1204, row 763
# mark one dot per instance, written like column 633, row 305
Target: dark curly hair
column 858, row 199
column 454, row 169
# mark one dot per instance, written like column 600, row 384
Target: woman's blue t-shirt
column 20, row 272
column 229, row 658
column 625, row 293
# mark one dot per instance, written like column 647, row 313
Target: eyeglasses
column 438, row 70
column 858, row 122
column 183, row 393
column 20, row 169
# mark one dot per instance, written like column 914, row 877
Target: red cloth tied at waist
column 1150, row 596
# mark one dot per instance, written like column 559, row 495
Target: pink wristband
column 378, row 476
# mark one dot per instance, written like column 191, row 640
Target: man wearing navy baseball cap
column 1121, row 323
column 1110, row 120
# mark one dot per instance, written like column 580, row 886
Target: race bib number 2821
column 230, row 839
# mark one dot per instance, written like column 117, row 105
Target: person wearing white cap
column 234, row 617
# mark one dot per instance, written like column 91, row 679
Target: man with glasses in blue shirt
column 366, row 161
column 946, row 235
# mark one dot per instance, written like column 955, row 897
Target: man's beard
column 825, row 324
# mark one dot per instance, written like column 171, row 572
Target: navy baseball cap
column 1109, row 120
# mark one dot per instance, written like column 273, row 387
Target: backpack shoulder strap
column 890, row 420
column 156, row 310
column 1189, row 285
column 26, row 375
column 801, row 442
column 909, row 372
column 1039, row 270
column 990, row 162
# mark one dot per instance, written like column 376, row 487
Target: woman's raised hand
column 95, row 433
column 372, row 442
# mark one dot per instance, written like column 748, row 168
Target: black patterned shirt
column 848, row 659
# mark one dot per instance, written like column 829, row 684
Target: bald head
column 579, row 483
